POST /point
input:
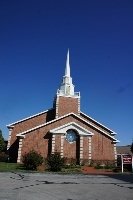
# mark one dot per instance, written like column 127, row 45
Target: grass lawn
column 14, row 167
column 11, row 167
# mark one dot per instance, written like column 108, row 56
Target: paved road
column 32, row 186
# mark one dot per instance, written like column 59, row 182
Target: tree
column 2, row 142
column 131, row 148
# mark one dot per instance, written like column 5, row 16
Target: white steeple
column 66, row 87
column 67, row 70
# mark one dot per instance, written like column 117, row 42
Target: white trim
column 79, row 106
column 12, row 125
column 76, row 95
column 9, row 138
column 57, row 106
column 112, row 132
column 81, row 148
column 32, row 129
column 62, row 142
column 115, row 151
column 72, row 125
column 53, row 143
column 19, row 150
column 89, row 149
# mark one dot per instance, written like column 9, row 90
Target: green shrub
column 71, row 161
column 3, row 157
column 32, row 160
column 99, row 166
column 56, row 162
column 109, row 166
column 84, row 162
column 72, row 166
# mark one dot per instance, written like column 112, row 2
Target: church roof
column 69, row 114
column 12, row 124
column 112, row 132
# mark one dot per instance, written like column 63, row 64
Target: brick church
column 63, row 128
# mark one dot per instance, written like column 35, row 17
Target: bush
column 99, row 166
column 72, row 161
column 84, row 162
column 32, row 160
column 56, row 162
column 3, row 157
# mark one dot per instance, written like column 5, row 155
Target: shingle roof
column 123, row 149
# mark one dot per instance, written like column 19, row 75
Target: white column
column 62, row 142
column 9, row 138
column 19, row 150
column 79, row 106
column 89, row 150
column 53, row 143
column 81, row 148
column 57, row 103
column 115, row 153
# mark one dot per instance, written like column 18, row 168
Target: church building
column 64, row 128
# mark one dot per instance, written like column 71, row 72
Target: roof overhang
column 114, row 140
column 12, row 124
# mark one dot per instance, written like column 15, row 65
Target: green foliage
column 131, row 147
column 109, row 167
column 105, row 165
column 72, row 166
column 56, row 162
column 32, row 160
column 3, row 157
column 98, row 166
column 2, row 142
column 72, row 161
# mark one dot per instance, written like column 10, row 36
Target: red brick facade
column 47, row 132
column 40, row 138
column 67, row 105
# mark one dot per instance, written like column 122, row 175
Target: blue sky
column 34, row 38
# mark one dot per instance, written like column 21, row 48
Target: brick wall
column 69, row 149
column 67, row 105
column 40, row 139
column 30, row 123
column 58, row 143
column 102, row 147
column 85, row 147
column 95, row 123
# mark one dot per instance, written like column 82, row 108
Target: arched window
column 71, row 136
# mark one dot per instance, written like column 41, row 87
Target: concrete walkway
column 35, row 186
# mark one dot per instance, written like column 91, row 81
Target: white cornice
column 42, row 125
column 72, row 125
column 112, row 132
column 12, row 125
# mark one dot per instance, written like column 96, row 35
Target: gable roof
column 112, row 132
column 12, row 124
column 72, row 114
column 123, row 149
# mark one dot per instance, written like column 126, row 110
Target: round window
column 71, row 136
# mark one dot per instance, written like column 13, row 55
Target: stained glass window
column 71, row 136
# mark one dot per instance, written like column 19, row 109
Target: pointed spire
column 67, row 88
column 67, row 69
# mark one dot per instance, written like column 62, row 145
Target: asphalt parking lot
column 35, row 186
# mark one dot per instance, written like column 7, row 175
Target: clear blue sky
column 34, row 38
